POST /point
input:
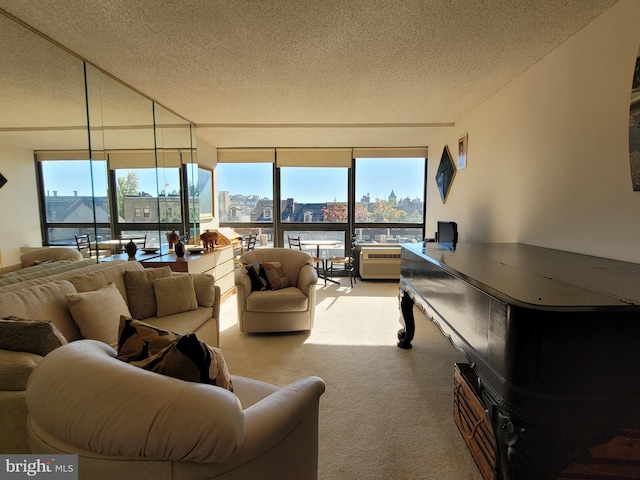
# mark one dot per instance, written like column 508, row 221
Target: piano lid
column 538, row 276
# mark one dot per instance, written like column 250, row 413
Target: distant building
column 392, row 198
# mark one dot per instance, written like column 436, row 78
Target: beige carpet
column 387, row 412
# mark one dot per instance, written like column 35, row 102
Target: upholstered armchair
column 280, row 299
column 126, row 422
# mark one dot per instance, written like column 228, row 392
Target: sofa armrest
column 271, row 419
column 216, row 303
column 15, row 369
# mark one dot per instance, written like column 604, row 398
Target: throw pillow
column 275, row 275
column 204, row 285
column 98, row 313
column 259, row 282
column 185, row 358
column 32, row 336
column 138, row 340
column 140, row 293
column 175, row 295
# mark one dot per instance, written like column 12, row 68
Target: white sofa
column 285, row 309
column 45, row 298
column 46, row 255
column 128, row 423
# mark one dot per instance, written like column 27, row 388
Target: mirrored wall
column 92, row 155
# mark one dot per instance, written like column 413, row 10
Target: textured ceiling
column 355, row 63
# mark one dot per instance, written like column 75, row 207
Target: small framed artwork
column 462, row 151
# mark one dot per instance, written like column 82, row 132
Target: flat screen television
column 447, row 234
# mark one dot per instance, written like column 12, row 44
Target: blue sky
column 377, row 177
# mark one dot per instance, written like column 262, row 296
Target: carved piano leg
column 405, row 335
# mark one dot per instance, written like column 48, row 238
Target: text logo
column 50, row 467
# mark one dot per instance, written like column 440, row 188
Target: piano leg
column 405, row 335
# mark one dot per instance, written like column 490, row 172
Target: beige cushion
column 204, row 286
column 140, row 293
column 43, row 302
column 175, row 295
column 98, row 313
column 183, row 323
column 32, row 336
column 288, row 299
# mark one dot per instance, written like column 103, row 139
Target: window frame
column 347, row 228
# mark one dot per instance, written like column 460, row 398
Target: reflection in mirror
column 103, row 168
column 121, row 131
column 42, row 110
column 205, row 192
column 176, row 163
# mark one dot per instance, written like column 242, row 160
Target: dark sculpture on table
column 131, row 250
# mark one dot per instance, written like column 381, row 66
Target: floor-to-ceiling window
column 314, row 186
column 389, row 195
column 74, row 197
column 245, row 179
column 324, row 196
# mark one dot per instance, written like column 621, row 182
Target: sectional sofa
column 67, row 301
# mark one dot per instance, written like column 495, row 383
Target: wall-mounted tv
column 447, row 234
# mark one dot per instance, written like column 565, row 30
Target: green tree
column 126, row 186
column 384, row 211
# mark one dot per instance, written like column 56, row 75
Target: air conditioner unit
column 380, row 262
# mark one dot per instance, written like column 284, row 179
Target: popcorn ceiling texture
column 356, row 62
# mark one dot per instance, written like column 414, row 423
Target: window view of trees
column 310, row 195
column 139, row 190
column 143, row 196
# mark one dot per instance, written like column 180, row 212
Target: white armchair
column 286, row 309
column 126, row 422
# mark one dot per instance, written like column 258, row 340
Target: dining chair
column 84, row 245
column 87, row 249
column 251, row 242
column 294, row 242
column 346, row 261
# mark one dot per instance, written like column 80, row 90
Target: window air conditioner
column 380, row 262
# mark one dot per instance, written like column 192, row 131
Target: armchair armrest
column 307, row 279
column 242, row 281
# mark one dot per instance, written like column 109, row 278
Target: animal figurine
column 172, row 238
column 209, row 239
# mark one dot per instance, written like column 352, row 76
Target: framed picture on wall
column 462, row 151
column 444, row 175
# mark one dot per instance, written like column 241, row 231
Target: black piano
column 552, row 336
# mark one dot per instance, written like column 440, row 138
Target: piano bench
column 471, row 418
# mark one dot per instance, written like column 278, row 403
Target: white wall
column 548, row 156
column 19, row 214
